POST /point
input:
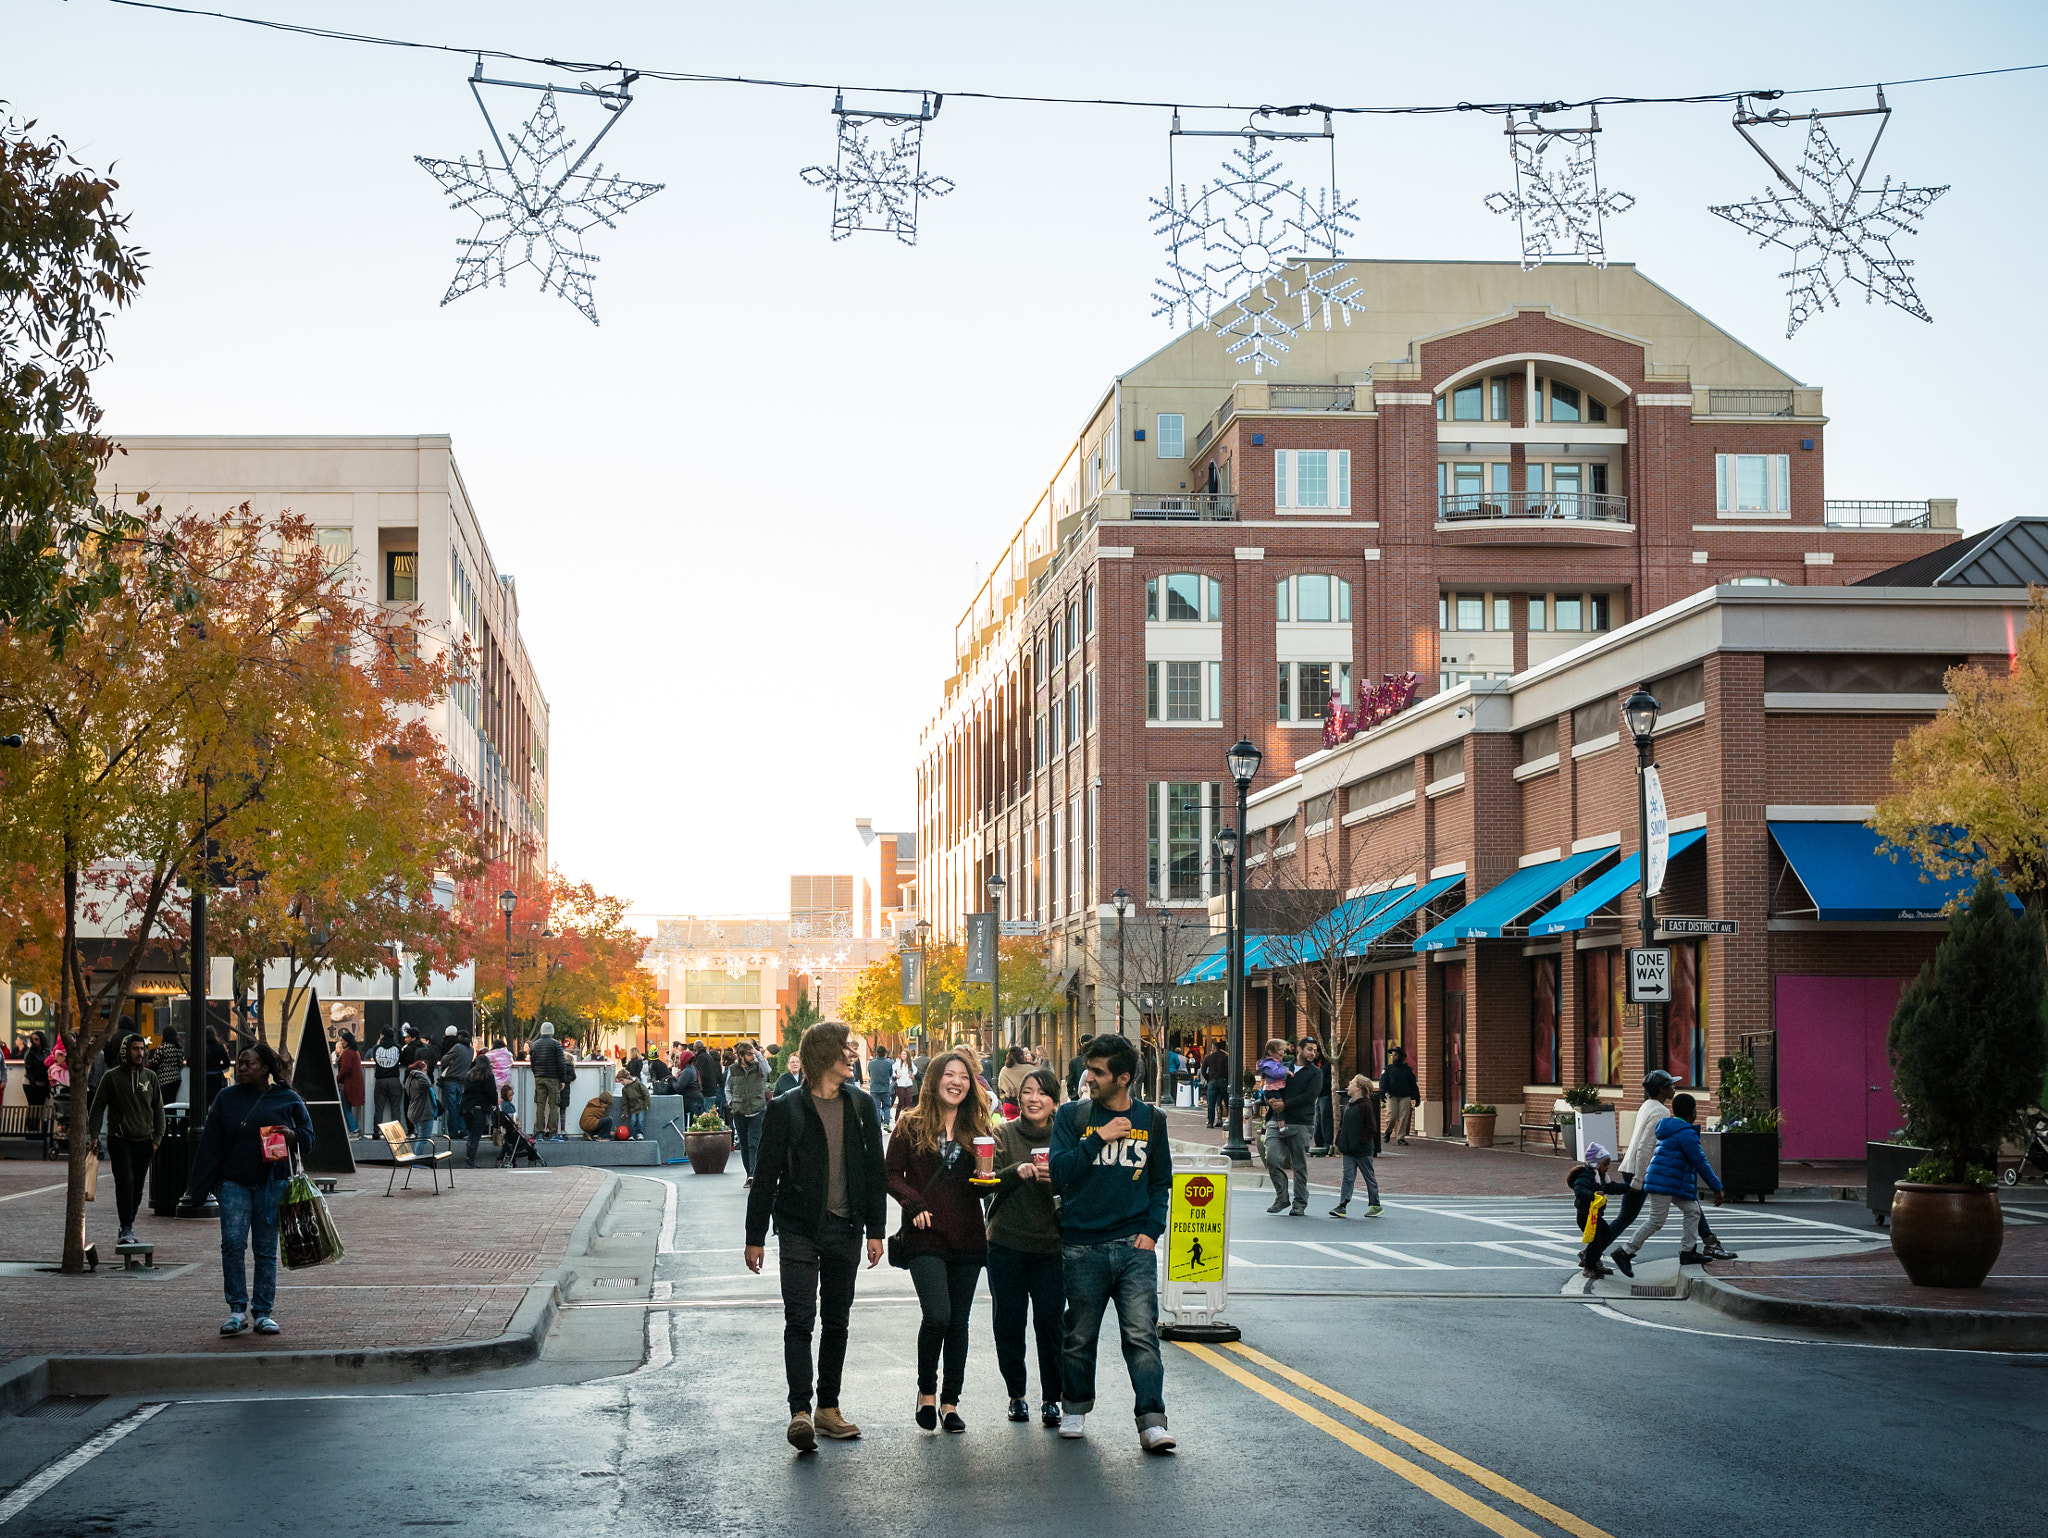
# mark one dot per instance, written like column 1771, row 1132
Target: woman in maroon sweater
column 931, row 1156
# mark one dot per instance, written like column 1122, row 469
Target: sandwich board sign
column 1194, row 1284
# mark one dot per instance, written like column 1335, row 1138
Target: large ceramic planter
column 707, row 1151
column 1884, row 1166
column 1479, row 1130
column 1747, row 1162
column 1946, row 1235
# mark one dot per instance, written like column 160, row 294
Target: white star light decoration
column 1249, row 242
column 534, row 207
column 1837, row 231
column 1558, row 203
column 879, row 178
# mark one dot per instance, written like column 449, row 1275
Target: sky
column 746, row 509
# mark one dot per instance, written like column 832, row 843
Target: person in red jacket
column 348, row 1073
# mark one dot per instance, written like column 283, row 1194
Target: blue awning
column 1575, row 911
column 1213, row 967
column 1491, row 913
column 1851, row 875
column 1356, row 923
column 1395, row 906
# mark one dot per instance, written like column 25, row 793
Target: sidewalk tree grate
column 498, row 1260
column 63, row 1407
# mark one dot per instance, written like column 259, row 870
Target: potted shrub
column 1968, row 1048
column 1479, row 1126
column 1744, row 1151
column 707, row 1144
column 1593, row 1120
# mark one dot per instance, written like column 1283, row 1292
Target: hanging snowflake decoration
column 1558, row 203
column 879, row 177
column 534, row 204
column 1838, row 231
column 1254, row 257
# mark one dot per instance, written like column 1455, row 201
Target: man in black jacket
column 818, row 1174
column 1216, row 1080
column 545, row 1058
column 1287, row 1141
column 1399, row 1086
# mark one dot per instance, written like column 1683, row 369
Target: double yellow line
column 1422, row 1478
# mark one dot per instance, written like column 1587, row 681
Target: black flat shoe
column 1019, row 1410
column 952, row 1422
column 928, row 1417
column 1623, row 1262
column 1049, row 1414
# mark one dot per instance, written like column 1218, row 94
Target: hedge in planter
column 1748, row 1141
column 1969, row 1046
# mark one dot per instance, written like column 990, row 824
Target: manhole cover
column 497, row 1260
column 63, row 1407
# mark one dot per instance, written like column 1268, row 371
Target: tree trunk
column 74, row 1172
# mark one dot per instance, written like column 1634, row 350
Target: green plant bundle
column 1583, row 1097
column 710, row 1121
column 1744, row 1105
column 1479, row 1110
column 1967, row 1043
column 1939, row 1171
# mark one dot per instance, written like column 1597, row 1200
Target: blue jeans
column 1096, row 1275
column 451, row 1098
column 750, row 1139
column 348, row 1114
column 638, row 1123
column 1354, row 1166
column 248, row 1215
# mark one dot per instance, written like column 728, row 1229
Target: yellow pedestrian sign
column 1195, row 1228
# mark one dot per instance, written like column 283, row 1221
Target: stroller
column 2036, row 1149
column 515, row 1145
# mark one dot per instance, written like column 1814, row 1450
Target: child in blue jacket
column 1674, row 1175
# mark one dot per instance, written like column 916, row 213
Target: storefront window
column 1388, row 992
column 1543, row 1021
column 1685, row 1031
column 1604, row 982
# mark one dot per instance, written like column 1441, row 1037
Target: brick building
column 1485, row 471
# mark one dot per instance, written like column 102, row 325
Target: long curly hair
column 925, row 1122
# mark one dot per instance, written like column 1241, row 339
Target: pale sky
column 745, row 511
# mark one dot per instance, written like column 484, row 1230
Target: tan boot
column 836, row 1426
column 801, row 1436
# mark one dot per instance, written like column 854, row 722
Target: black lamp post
column 1243, row 759
column 507, row 901
column 1122, row 902
column 924, row 935
column 1165, row 1000
column 1639, row 714
column 1226, row 847
column 995, row 964
column 198, row 1042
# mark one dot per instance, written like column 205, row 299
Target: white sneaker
column 1154, row 1439
column 1072, row 1426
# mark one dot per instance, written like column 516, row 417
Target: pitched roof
column 2015, row 554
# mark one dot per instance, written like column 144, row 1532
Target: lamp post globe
column 1640, row 710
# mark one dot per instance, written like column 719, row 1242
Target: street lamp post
column 924, row 934
column 1639, row 714
column 995, row 964
column 198, row 1045
column 1226, row 847
column 507, row 901
column 397, row 971
column 1122, row 901
column 1243, row 759
column 1165, row 1003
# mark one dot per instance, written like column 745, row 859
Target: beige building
column 397, row 508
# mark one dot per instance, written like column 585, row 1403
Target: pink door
column 1834, row 1077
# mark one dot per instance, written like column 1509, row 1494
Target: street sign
column 981, row 948
column 1659, row 831
column 1700, row 926
column 1194, row 1284
column 1013, row 928
column 1649, row 974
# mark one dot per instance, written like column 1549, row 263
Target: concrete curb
column 1888, row 1324
column 24, row 1383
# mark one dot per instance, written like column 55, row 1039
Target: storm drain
column 497, row 1260
column 63, row 1407
column 615, row 1281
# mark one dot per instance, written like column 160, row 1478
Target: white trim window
column 1184, row 691
column 1307, row 689
column 1753, row 483
column 1309, row 479
column 1184, row 598
column 1172, row 435
column 1312, row 598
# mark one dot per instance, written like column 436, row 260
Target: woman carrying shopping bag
column 253, row 1129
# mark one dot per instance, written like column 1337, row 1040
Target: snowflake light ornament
column 534, row 204
column 1251, row 255
column 879, row 178
column 1838, row 231
column 1558, row 203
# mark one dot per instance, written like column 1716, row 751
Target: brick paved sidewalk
column 2018, row 1282
column 419, row 1269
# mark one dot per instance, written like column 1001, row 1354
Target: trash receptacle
column 171, row 1166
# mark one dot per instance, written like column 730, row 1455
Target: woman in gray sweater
column 1024, row 1249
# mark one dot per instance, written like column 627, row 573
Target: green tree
column 1969, row 1039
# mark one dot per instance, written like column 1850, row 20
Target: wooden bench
column 1553, row 1129
column 405, row 1157
column 27, row 1122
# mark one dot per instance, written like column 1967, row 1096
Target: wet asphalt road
column 1536, row 1413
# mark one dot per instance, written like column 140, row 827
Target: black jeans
column 817, row 1275
column 750, row 1139
column 130, row 1158
column 1019, row 1279
column 945, row 1292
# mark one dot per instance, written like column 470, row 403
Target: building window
column 1314, row 690
column 337, row 548
column 1500, row 397
column 1564, row 407
column 1471, row 611
column 1543, row 1061
column 1178, row 598
column 1308, row 599
column 1053, row 735
column 1389, row 1004
column 1568, row 613
column 1057, row 649
column 1685, row 1024
column 1504, row 619
column 1183, row 691
column 402, row 576
column 1286, row 693
column 1753, row 483
column 1172, row 434
column 1443, row 612
column 1307, row 688
column 1311, row 478
column 1091, row 699
column 1467, row 402
column 1313, row 598
column 1038, row 733
column 1215, row 691
column 1605, row 981
column 1073, row 625
column 1151, row 691
column 1090, row 603
column 1597, row 603
column 1073, row 715
column 1280, row 600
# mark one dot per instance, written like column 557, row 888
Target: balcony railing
column 1566, row 506
column 1749, row 403
column 1303, row 397
column 1880, row 515
column 1185, row 507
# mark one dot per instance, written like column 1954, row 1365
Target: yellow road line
column 1414, row 1473
column 1422, row 1444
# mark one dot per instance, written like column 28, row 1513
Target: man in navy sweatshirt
column 1113, row 1169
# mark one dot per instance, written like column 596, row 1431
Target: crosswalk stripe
column 1357, row 1260
column 1413, row 1262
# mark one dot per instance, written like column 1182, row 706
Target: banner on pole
column 981, row 948
column 1657, row 852
column 913, row 979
